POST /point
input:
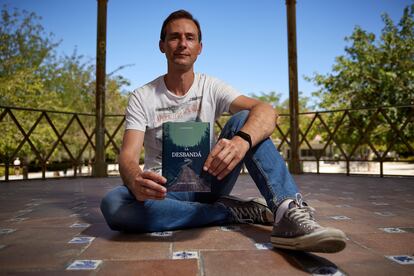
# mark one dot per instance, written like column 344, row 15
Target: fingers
column 215, row 151
column 225, row 155
column 150, row 185
column 226, row 166
column 223, row 158
column 213, row 155
column 154, row 177
column 153, row 186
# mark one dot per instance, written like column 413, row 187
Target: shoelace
column 303, row 215
column 252, row 214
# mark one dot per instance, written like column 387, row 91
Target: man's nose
column 182, row 43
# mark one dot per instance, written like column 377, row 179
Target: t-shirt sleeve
column 135, row 117
column 224, row 95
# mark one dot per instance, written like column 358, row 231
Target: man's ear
column 201, row 48
column 161, row 46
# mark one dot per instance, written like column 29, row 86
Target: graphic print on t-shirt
column 184, row 112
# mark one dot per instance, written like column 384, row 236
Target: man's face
column 181, row 45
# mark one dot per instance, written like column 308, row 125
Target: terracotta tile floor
column 38, row 223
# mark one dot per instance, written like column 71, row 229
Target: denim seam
column 278, row 202
column 265, row 177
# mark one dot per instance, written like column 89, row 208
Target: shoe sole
column 328, row 240
column 259, row 200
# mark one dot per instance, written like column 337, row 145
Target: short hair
column 178, row 15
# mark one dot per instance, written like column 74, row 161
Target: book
column 185, row 147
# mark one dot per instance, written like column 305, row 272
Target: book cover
column 185, row 147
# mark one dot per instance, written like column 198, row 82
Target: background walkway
column 49, row 226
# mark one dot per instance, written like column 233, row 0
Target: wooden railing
column 369, row 137
column 57, row 141
column 48, row 140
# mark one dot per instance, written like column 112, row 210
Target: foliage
column 26, row 58
column 372, row 73
column 282, row 107
column 33, row 76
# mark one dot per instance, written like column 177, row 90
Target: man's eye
column 172, row 37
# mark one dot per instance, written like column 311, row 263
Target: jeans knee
column 112, row 206
column 109, row 212
column 105, row 206
column 122, row 212
column 235, row 123
column 237, row 120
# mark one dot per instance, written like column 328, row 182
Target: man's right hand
column 149, row 185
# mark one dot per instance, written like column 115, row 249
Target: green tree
column 282, row 108
column 372, row 73
column 26, row 55
column 32, row 76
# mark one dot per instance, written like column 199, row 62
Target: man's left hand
column 225, row 156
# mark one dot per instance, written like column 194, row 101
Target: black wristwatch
column 245, row 137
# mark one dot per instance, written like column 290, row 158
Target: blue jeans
column 191, row 209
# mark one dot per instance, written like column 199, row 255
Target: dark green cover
column 185, row 147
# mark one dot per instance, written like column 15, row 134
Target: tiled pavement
column 47, row 227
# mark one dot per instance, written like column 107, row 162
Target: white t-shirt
column 152, row 104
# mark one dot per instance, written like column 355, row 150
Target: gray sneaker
column 250, row 210
column 298, row 230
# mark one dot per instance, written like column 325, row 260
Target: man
column 142, row 204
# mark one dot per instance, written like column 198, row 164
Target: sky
column 244, row 41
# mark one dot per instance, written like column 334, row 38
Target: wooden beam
column 99, row 168
column 294, row 163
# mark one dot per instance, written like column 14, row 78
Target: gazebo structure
column 99, row 168
column 54, row 226
column 348, row 146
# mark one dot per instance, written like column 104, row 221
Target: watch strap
column 245, row 137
